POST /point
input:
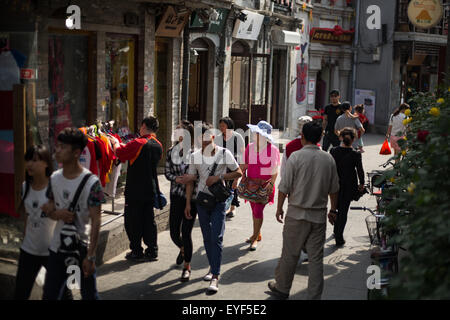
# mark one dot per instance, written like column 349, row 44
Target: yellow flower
column 440, row 100
column 392, row 180
column 448, row 89
column 435, row 112
column 405, row 122
column 407, row 112
column 403, row 152
column 411, row 188
column 409, row 90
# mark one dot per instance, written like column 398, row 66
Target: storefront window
column 119, row 82
column 68, row 82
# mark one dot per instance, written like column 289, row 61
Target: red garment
column 363, row 118
column 132, row 149
column 293, row 146
column 105, row 161
column 93, row 165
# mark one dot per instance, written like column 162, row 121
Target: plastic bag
column 385, row 149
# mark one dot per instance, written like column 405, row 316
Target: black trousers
column 330, row 139
column 178, row 222
column 140, row 225
column 27, row 271
column 341, row 221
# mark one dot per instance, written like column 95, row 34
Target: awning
column 284, row 37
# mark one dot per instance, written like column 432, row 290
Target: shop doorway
column 198, row 81
column 278, row 102
column 249, row 80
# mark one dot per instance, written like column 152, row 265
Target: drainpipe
column 185, row 72
column 269, row 82
column 355, row 50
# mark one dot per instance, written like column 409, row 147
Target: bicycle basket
column 373, row 230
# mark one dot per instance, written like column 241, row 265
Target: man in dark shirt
column 141, row 186
column 332, row 112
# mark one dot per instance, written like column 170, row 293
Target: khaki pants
column 298, row 234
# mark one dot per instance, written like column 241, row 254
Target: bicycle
column 382, row 254
column 377, row 185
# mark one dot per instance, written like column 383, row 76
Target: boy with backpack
column 75, row 198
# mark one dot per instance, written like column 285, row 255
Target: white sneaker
column 214, row 285
column 208, row 277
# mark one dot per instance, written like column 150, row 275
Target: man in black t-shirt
column 332, row 112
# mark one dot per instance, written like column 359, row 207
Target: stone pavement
column 244, row 274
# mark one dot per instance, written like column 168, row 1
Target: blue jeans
column 212, row 223
column 56, row 278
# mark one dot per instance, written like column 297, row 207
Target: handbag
column 385, row 150
column 219, row 191
column 358, row 194
column 70, row 242
column 159, row 201
column 254, row 190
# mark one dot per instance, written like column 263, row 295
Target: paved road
column 245, row 274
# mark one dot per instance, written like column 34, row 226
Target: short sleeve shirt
column 398, row 128
column 202, row 166
column 39, row 229
column 62, row 191
column 332, row 112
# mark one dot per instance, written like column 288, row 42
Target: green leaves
column 421, row 205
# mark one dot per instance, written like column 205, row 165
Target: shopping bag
column 385, row 148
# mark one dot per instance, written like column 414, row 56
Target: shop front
column 249, row 72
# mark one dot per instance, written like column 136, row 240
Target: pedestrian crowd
column 210, row 176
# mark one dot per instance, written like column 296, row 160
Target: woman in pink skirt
column 262, row 159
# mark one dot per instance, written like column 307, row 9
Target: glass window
column 68, row 82
column 119, row 103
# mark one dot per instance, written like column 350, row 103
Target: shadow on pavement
column 149, row 290
column 342, row 268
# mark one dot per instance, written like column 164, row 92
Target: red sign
column 27, row 74
column 332, row 36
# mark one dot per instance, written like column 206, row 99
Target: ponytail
column 348, row 135
column 403, row 106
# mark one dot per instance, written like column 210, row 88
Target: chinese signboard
column 425, row 13
column 27, row 74
column 331, row 36
column 171, row 23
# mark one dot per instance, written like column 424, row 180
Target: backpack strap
column 78, row 192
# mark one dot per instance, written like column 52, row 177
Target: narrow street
column 245, row 274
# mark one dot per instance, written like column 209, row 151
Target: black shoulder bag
column 70, row 243
column 218, row 189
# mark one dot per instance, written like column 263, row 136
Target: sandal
column 250, row 240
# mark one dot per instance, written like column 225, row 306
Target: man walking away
column 348, row 120
column 310, row 177
column 332, row 112
column 141, row 186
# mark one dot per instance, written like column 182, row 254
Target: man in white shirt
column 86, row 217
